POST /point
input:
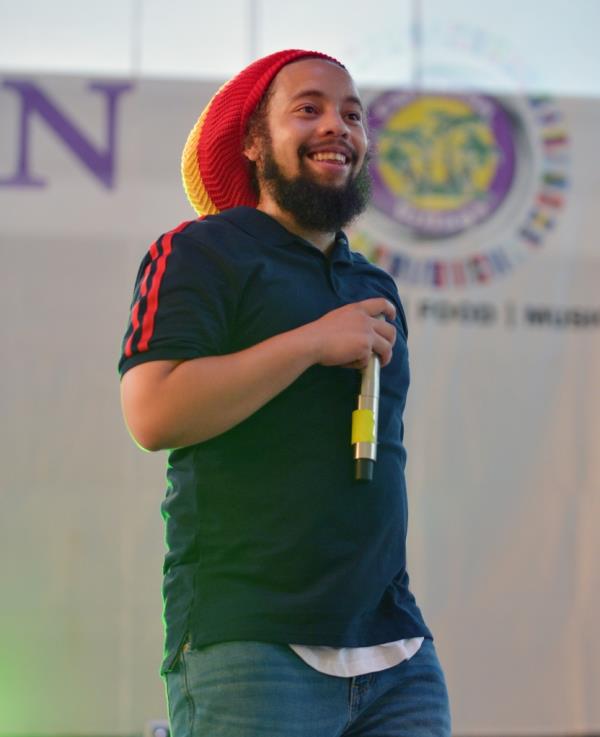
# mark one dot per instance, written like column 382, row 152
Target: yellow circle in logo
column 438, row 153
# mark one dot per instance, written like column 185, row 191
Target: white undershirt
column 356, row 661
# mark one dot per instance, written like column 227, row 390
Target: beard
column 315, row 206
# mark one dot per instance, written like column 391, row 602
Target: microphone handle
column 365, row 421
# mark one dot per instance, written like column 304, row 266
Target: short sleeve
column 181, row 304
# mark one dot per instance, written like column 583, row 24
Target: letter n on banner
column 100, row 161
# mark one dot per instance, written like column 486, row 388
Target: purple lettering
column 100, row 161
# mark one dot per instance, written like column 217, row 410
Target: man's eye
column 308, row 109
column 357, row 117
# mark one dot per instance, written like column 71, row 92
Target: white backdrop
column 502, row 432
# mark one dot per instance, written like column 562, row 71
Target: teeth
column 329, row 156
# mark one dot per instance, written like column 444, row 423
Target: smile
column 330, row 157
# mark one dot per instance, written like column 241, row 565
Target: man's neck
column 323, row 241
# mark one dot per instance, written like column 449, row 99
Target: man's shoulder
column 360, row 259
column 213, row 229
column 235, row 226
column 218, row 236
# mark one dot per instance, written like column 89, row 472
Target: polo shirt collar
column 266, row 229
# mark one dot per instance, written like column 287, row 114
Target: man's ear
column 251, row 149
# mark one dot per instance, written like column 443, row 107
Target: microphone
column 364, row 420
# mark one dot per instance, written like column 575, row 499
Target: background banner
column 485, row 209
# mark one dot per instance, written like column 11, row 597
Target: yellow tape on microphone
column 363, row 426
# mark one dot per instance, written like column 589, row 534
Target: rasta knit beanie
column 216, row 175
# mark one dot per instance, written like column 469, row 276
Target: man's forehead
column 312, row 74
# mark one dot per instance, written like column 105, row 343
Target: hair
column 258, row 127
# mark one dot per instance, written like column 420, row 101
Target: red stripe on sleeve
column 134, row 326
column 135, row 321
column 152, row 307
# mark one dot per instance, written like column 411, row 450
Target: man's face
column 310, row 150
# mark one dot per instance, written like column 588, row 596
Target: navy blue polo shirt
column 269, row 536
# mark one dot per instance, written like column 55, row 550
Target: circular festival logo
column 443, row 163
column 465, row 186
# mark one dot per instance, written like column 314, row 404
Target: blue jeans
column 257, row 689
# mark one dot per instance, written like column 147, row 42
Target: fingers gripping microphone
column 364, row 421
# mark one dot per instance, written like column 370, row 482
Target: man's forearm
column 183, row 403
column 170, row 404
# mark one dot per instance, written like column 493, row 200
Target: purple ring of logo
column 446, row 223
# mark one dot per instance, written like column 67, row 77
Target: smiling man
column 314, row 183
column 287, row 606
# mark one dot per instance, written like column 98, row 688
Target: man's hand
column 347, row 336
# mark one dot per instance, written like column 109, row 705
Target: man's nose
column 334, row 123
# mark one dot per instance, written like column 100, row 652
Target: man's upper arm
column 139, row 386
column 181, row 305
